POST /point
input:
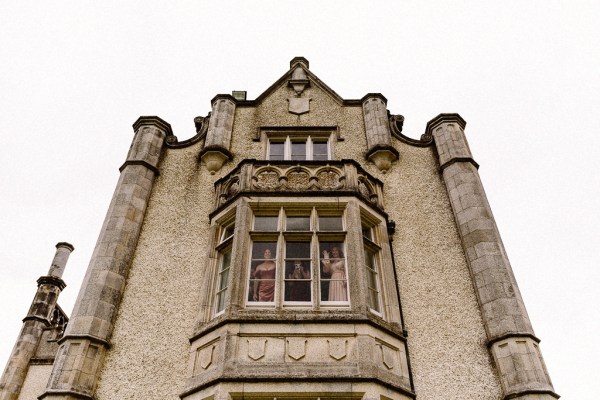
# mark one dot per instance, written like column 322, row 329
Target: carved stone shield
column 299, row 105
column 205, row 356
column 256, row 348
column 296, row 348
column 337, row 348
column 388, row 356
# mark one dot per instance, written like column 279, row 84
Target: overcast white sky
column 524, row 75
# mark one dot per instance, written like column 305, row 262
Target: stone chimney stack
column 38, row 318
column 63, row 251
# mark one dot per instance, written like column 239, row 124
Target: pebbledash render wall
column 446, row 338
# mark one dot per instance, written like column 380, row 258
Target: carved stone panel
column 204, row 356
column 253, row 176
column 296, row 348
column 388, row 356
column 337, row 348
column 256, row 348
column 299, row 105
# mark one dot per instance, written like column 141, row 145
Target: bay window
column 297, row 259
column 302, row 256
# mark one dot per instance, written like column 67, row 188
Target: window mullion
column 287, row 149
column 279, row 272
column 280, row 260
column 315, row 270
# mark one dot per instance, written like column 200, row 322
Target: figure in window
column 298, row 284
column 334, row 265
column 264, row 279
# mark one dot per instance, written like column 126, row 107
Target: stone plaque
column 296, row 348
column 205, row 356
column 299, row 105
column 388, row 356
column 256, row 348
column 337, row 348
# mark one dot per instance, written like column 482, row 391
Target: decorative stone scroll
column 292, row 178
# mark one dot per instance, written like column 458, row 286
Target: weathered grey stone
column 218, row 137
column 86, row 339
column 377, row 129
column 37, row 320
column 499, row 299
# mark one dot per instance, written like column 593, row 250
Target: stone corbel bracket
column 214, row 157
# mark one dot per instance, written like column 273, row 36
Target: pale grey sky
column 524, row 75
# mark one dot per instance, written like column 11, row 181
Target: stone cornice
column 223, row 97
column 373, row 96
column 66, row 245
column 51, row 280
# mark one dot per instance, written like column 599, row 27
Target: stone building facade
column 298, row 247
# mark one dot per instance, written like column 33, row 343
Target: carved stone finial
column 299, row 80
column 299, row 60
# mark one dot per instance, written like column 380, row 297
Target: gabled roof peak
column 299, row 60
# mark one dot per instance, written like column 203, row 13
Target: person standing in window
column 335, row 266
column 264, row 279
column 299, row 283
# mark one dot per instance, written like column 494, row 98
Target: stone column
column 38, row 318
column 511, row 339
column 377, row 127
column 86, row 338
column 218, row 138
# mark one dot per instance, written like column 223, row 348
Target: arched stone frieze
column 264, row 177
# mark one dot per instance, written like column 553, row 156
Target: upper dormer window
column 300, row 148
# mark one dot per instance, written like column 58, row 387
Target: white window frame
column 225, row 246
column 280, row 238
column 287, row 141
column 371, row 246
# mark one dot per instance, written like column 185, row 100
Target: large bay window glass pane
column 330, row 223
column 265, row 223
column 222, row 277
column 371, row 251
column 372, row 281
column 312, row 259
column 224, row 264
column 297, row 223
column 298, row 272
column 333, row 276
column 263, row 271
